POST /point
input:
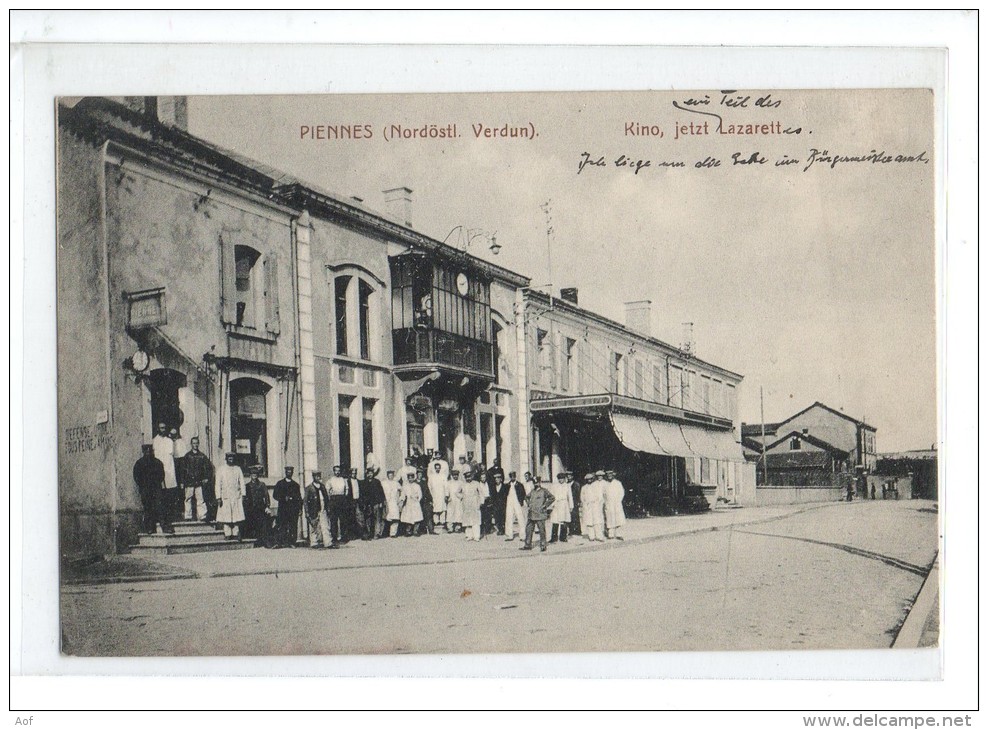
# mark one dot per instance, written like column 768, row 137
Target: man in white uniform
column 562, row 507
column 392, row 503
column 164, row 451
column 407, row 473
column 592, row 507
column 454, row 504
column 514, row 508
column 437, row 484
column 613, row 505
column 230, row 491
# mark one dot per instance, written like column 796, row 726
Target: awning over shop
column 667, row 438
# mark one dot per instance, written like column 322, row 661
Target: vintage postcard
column 486, row 373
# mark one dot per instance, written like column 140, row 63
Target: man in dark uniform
column 258, row 510
column 494, row 471
column 494, row 514
column 149, row 475
column 574, row 525
column 288, row 494
column 427, row 525
column 372, row 505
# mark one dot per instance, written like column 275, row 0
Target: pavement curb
column 911, row 630
column 191, row 575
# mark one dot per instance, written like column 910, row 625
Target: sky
column 816, row 281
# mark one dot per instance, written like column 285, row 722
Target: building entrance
column 449, row 429
column 163, row 385
column 248, row 422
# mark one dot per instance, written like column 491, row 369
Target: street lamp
column 468, row 235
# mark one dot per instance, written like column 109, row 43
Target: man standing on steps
column 164, row 451
column 197, row 480
column 538, row 506
column 288, row 495
column 149, row 475
column 230, row 491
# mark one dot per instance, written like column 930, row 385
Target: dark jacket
column 287, row 490
column 149, row 473
column 506, row 488
column 371, row 492
column 313, row 492
column 539, row 503
column 197, row 470
column 258, row 498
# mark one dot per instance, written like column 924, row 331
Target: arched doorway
column 249, row 422
column 164, row 385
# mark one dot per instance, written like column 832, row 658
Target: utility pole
column 547, row 208
column 761, row 396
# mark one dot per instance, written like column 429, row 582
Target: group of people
column 423, row 497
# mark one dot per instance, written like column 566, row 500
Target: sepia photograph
column 497, row 373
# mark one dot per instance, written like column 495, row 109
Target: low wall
column 768, row 494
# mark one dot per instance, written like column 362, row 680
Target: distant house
column 816, row 446
column 920, row 465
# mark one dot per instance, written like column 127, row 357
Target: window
column 677, row 387
column 639, row 379
column 343, row 431
column 705, row 405
column 365, row 292
column 498, row 442
column 659, row 384
column 794, row 444
column 415, row 424
column 368, row 426
column 248, row 422
column 486, row 428
column 247, row 286
column 616, row 358
column 704, row 470
column 567, row 364
column 341, row 284
column 469, row 422
column 496, row 329
column 542, row 347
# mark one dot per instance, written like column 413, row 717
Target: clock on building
column 140, row 361
column 462, row 284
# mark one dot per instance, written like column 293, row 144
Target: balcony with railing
column 441, row 317
column 430, row 347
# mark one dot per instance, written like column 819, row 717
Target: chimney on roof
column 638, row 316
column 170, row 110
column 570, row 294
column 398, row 203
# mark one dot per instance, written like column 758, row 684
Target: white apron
column 230, row 487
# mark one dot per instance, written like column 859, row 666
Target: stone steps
column 189, row 537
